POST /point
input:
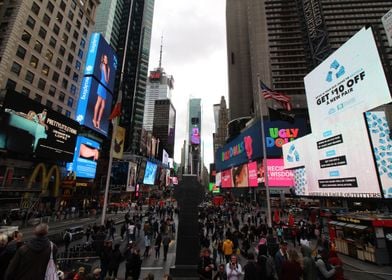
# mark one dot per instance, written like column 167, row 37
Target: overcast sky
column 194, row 52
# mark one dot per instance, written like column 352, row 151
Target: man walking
column 166, row 241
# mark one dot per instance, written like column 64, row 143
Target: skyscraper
column 43, row 47
column 282, row 41
column 221, row 117
column 194, row 134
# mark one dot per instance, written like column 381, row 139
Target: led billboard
column 101, row 62
column 240, row 176
column 226, row 179
column 195, row 136
column 85, row 158
column 277, row 175
column 30, row 128
column 132, row 177
column 252, row 174
column 93, row 111
column 150, row 173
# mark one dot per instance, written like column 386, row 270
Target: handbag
column 51, row 269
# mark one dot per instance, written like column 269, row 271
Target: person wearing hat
column 81, row 275
column 31, row 259
column 280, row 257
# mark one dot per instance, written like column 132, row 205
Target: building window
column 29, row 77
column 62, row 96
column 59, row 63
column 4, row 26
column 70, row 58
column 62, row 6
column 35, row 8
column 87, row 22
column 82, row 43
column 26, row 37
column 73, row 46
column 59, row 17
column 80, row 54
column 68, row 26
column 42, row 33
column 81, row 14
column 49, row 55
column 25, row 91
column 84, row 32
column 8, row 12
column 65, row 38
column 62, row 51
column 10, row 84
column 34, row 61
column 30, row 22
column 78, row 65
column 56, row 29
column 50, row 7
column 21, row 52
column 41, row 84
column 38, row 46
column 75, row 77
column 15, row 68
column 52, row 42
column 49, row 104
column 45, row 70
column 73, row 4
column 70, row 102
column 78, row 24
column 70, row 15
column 64, row 83
column 232, row 58
column 59, row 109
column 46, row 19
column 75, row 35
column 68, row 114
column 38, row 98
column 73, row 89
column 67, row 70
column 52, row 91
column 55, row 77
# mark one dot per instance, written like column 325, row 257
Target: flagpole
column 265, row 168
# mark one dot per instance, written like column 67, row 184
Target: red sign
column 252, row 174
column 226, row 179
column 155, row 75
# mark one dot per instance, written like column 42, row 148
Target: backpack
column 51, row 270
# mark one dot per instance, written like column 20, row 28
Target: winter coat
column 31, row 260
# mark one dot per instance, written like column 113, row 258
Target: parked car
column 77, row 232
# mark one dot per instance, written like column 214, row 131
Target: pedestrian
column 158, row 241
column 337, row 263
column 147, row 244
column 165, row 242
column 67, row 238
column 88, row 233
column 31, row 260
column 291, row 268
column 106, row 256
column 310, row 269
column 221, row 273
column 324, row 269
column 227, row 248
column 4, row 259
column 81, row 274
column 266, row 263
column 135, row 264
column 206, row 265
column 114, row 262
column 233, row 269
column 95, row 275
column 280, row 257
column 251, row 268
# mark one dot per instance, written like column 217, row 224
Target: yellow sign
column 45, row 178
column 349, row 220
column 119, row 138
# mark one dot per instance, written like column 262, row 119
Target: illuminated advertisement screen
column 213, row 188
column 218, row 180
column 30, row 128
column 277, row 175
column 93, row 110
column 119, row 173
column 382, row 148
column 101, row 61
column 240, row 176
column 85, row 159
column 150, row 173
column 132, row 177
column 141, row 169
column 226, row 179
column 252, row 174
column 195, row 136
column 348, row 82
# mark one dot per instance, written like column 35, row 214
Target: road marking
column 152, row 268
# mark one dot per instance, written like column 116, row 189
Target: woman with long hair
column 101, row 92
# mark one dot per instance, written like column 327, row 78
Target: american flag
column 268, row 93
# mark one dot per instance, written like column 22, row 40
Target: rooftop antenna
column 160, row 54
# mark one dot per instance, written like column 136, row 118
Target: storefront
column 363, row 236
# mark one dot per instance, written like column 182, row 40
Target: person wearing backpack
column 33, row 259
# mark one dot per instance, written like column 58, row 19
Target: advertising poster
column 382, row 148
column 85, row 158
column 226, row 180
column 101, row 62
column 195, row 136
column 132, row 176
column 240, row 176
column 348, row 83
column 30, row 128
column 252, row 174
column 140, row 174
column 119, row 138
column 119, row 175
column 92, row 110
column 294, row 153
column 387, row 23
column 277, row 175
column 218, row 180
column 150, row 173
column 165, row 157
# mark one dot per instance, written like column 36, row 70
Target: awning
column 351, row 225
column 360, row 227
column 336, row 223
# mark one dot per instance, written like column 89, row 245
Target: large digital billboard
column 195, row 136
column 93, row 109
column 226, row 179
column 252, row 174
column 277, row 175
column 30, row 128
column 131, row 186
column 348, row 82
column 85, row 159
column 150, row 173
column 101, row 62
column 240, row 176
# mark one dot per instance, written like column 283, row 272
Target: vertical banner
column 227, row 181
column 131, row 186
column 252, row 174
column 118, row 148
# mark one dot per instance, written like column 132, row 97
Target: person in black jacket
column 206, row 265
column 115, row 261
column 252, row 269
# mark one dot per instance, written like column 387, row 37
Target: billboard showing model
column 94, row 108
column 150, row 173
column 30, row 128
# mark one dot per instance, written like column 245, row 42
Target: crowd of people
column 236, row 243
